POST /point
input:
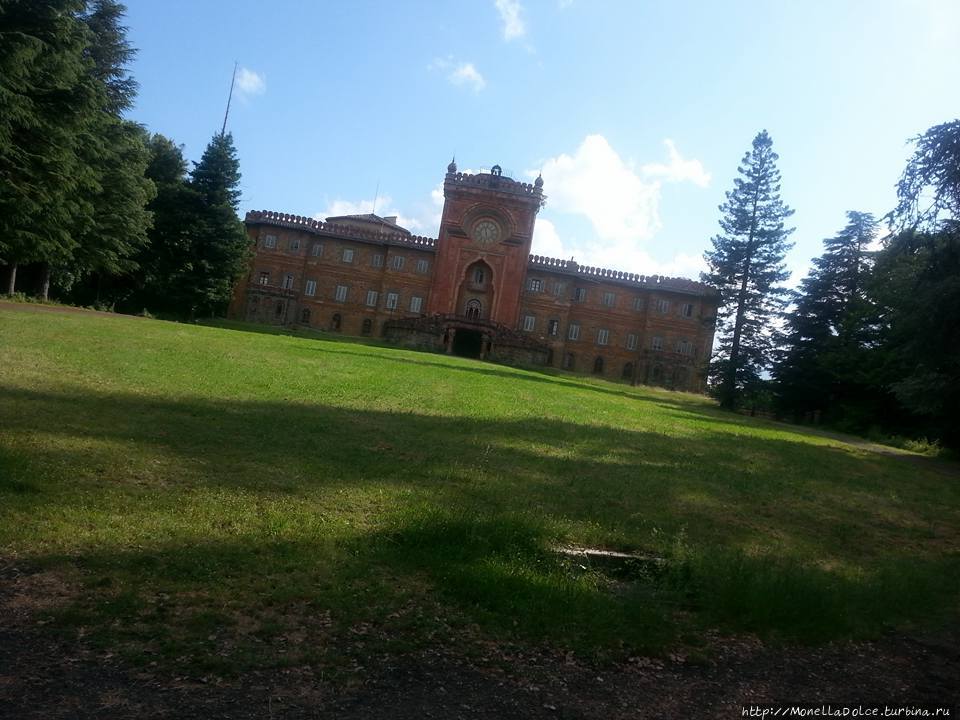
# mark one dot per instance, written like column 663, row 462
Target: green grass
column 227, row 499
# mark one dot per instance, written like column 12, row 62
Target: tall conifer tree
column 746, row 264
column 825, row 363
column 220, row 247
column 48, row 98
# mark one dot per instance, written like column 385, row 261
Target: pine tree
column 114, row 149
column 917, row 285
column 220, row 247
column 746, row 264
column 824, row 364
column 48, row 98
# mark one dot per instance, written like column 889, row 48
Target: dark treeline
column 870, row 341
column 94, row 209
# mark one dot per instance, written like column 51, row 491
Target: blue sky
column 637, row 113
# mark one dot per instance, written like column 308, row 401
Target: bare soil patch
column 43, row 676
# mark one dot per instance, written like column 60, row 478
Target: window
column 288, row 281
column 638, row 303
column 609, row 299
column 270, row 241
column 529, row 323
column 569, row 361
column 473, row 309
column 558, row 289
column 317, row 249
column 305, row 316
column 347, row 255
column 376, row 260
column 423, row 266
column 294, row 243
column 478, row 275
column 573, row 332
column 264, row 278
column 280, row 308
column 687, row 310
column 663, row 306
column 627, row 373
column 371, row 298
column 631, row 342
column 335, row 322
column 392, row 300
column 536, row 285
column 396, row 262
column 656, row 343
column 311, row 288
column 367, row 326
column 341, row 293
column 553, row 328
column 579, row 294
column 603, row 337
column 416, row 303
column 598, row 366
column 685, row 347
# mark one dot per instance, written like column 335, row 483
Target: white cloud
column 250, row 83
column 621, row 205
column 678, row 169
column 596, row 183
column 513, row 25
column 467, row 74
column 463, row 74
column 384, row 208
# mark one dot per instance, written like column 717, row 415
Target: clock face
column 486, row 232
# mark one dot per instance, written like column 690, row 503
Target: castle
column 476, row 290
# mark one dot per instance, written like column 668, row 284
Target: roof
column 368, row 218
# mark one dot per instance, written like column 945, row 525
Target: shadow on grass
column 238, row 508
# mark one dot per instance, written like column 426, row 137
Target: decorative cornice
column 647, row 282
column 318, row 227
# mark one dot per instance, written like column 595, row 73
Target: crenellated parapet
column 319, row 227
column 649, row 282
column 495, row 181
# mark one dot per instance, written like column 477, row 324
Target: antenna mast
column 376, row 196
column 233, row 80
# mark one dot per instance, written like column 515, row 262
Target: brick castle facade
column 476, row 290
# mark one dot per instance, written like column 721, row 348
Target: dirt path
column 42, row 676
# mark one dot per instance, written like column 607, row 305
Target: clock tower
column 483, row 246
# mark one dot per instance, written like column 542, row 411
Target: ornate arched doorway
column 475, row 296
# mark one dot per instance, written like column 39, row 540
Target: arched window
column 305, row 316
column 473, row 309
column 335, row 322
column 598, row 366
column 279, row 308
column 569, row 361
column 367, row 326
column 628, row 371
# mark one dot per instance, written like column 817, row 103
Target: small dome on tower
column 538, row 183
column 452, row 167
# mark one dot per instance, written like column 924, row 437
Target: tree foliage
column 823, row 365
column 48, row 96
column 746, row 264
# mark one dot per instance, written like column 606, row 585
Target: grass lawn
column 227, row 498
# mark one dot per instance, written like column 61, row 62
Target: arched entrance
column 468, row 343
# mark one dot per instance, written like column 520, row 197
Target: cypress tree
column 746, row 264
